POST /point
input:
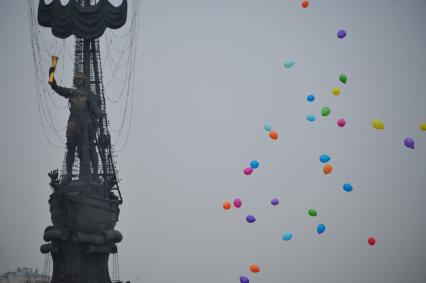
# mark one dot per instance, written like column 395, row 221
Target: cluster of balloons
column 272, row 134
column 327, row 168
column 254, row 164
column 237, row 203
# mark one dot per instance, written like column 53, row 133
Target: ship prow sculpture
column 84, row 204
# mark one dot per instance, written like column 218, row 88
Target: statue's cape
column 87, row 22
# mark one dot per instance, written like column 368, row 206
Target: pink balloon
column 248, row 170
column 341, row 122
column 237, row 203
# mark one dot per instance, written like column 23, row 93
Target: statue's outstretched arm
column 63, row 91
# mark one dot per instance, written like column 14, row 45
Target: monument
column 85, row 201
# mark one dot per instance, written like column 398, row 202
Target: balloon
column 343, row 78
column 347, row 187
column 341, row 122
column 254, row 164
column 324, row 158
column 273, row 135
column 310, row 118
column 327, row 169
column 244, row 279
column 341, row 33
column 267, row 127
column 371, row 241
column 250, row 219
column 423, row 127
column 287, row 236
column 248, row 170
column 312, row 212
column 237, row 203
column 254, row 268
column 377, row 124
column 305, row 4
column 275, row 201
column 409, row 142
column 335, row 91
column 288, row 64
column 325, row 111
column 310, row 97
column 320, row 228
column 226, row 205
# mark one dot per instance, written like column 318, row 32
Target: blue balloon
column 268, row 127
column 324, row 158
column 254, row 164
column 347, row 187
column 287, row 236
column 311, row 97
column 244, row 279
column 310, row 118
column 320, row 228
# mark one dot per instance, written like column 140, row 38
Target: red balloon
column 371, row 241
column 305, row 4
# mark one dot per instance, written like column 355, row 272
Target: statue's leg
column 69, row 159
column 93, row 153
column 71, row 144
column 80, row 154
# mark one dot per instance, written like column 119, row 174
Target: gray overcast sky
column 209, row 74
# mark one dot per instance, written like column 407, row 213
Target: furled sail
column 87, row 22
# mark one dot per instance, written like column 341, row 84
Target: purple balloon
column 244, row 279
column 409, row 142
column 275, row 201
column 250, row 219
column 341, row 33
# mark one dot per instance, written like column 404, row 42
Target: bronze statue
column 84, row 112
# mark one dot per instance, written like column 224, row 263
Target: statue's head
column 79, row 80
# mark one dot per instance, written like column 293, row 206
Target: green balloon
column 343, row 78
column 325, row 111
column 312, row 212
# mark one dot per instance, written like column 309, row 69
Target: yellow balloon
column 377, row 124
column 423, row 127
column 335, row 91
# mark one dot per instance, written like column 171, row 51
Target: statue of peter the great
column 83, row 109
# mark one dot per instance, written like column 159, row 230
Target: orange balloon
column 227, row 205
column 305, row 4
column 327, row 169
column 273, row 135
column 254, row 268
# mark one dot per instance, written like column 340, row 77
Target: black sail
column 87, row 22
